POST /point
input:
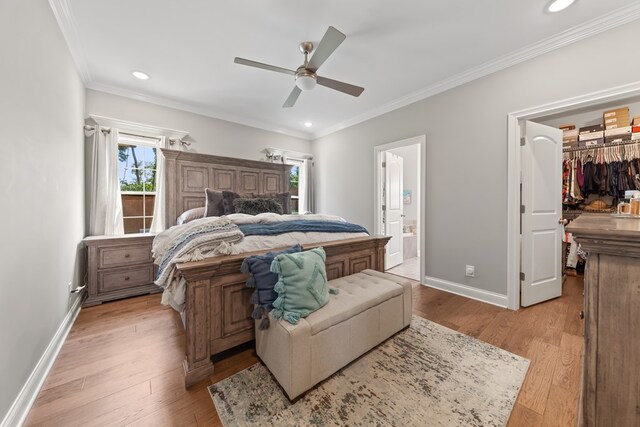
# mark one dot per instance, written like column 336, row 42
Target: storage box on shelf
column 616, row 128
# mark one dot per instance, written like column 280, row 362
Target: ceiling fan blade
column 250, row 63
column 293, row 97
column 330, row 41
column 340, row 86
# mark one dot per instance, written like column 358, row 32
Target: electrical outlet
column 470, row 271
column 69, row 286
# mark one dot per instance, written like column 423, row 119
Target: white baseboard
column 22, row 405
column 466, row 291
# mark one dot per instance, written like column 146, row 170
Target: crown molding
column 100, row 87
column 590, row 28
column 66, row 22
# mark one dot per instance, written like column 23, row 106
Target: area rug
column 426, row 375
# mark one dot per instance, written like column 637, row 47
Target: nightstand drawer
column 116, row 279
column 123, row 255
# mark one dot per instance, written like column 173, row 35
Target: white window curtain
column 105, row 201
column 158, row 222
column 306, row 186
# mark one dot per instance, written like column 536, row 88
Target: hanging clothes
column 576, row 194
column 605, row 171
column 566, row 174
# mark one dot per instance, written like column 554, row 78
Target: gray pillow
column 213, row 205
column 283, row 198
column 227, row 202
column 190, row 215
column 257, row 206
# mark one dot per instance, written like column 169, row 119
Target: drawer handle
column 126, row 277
column 127, row 255
column 581, row 314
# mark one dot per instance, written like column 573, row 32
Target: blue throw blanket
column 304, row 226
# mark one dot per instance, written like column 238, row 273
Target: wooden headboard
column 188, row 174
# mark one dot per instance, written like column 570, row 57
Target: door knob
column 563, row 221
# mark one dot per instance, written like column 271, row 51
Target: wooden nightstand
column 119, row 267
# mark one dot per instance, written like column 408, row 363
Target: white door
column 393, row 210
column 541, row 221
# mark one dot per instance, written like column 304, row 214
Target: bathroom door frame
column 420, row 140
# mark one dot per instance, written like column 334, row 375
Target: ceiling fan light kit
column 305, row 76
column 306, row 81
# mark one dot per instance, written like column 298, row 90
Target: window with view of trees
column 137, row 174
column 294, row 180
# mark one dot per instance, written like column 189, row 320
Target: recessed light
column 558, row 5
column 308, row 124
column 140, row 75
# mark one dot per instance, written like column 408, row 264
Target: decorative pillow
column 262, row 279
column 227, row 202
column 190, row 215
column 257, row 206
column 283, row 198
column 213, row 203
column 302, row 284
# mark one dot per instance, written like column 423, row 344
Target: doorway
column 584, row 111
column 399, row 205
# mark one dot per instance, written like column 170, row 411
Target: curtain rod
column 596, row 147
column 89, row 128
column 156, row 138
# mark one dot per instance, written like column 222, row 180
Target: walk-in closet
column 600, row 170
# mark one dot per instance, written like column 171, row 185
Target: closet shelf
column 595, row 147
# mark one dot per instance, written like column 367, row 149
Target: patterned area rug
column 426, row 375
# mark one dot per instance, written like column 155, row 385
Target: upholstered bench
column 369, row 308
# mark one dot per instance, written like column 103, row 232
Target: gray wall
column 209, row 135
column 410, row 179
column 466, row 174
column 41, row 186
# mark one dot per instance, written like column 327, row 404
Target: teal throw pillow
column 302, row 284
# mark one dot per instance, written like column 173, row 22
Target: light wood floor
column 121, row 364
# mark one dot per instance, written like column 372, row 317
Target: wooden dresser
column 119, row 267
column 611, row 370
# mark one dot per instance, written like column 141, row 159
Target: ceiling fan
column 305, row 75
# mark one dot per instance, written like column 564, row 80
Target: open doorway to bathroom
column 400, row 205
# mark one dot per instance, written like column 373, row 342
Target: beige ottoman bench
column 369, row 308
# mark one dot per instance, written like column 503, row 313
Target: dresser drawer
column 116, row 279
column 115, row 256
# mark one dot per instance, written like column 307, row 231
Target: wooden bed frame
column 217, row 313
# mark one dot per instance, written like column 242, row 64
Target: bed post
column 170, row 157
column 197, row 362
column 380, row 251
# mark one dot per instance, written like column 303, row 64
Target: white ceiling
column 397, row 50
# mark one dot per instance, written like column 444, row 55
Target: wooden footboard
column 218, row 309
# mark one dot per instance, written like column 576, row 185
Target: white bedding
column 176, row 296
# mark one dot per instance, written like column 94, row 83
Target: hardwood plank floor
column 122, row 362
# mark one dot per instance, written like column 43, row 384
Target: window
column 137, row 174
column 296, row 180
